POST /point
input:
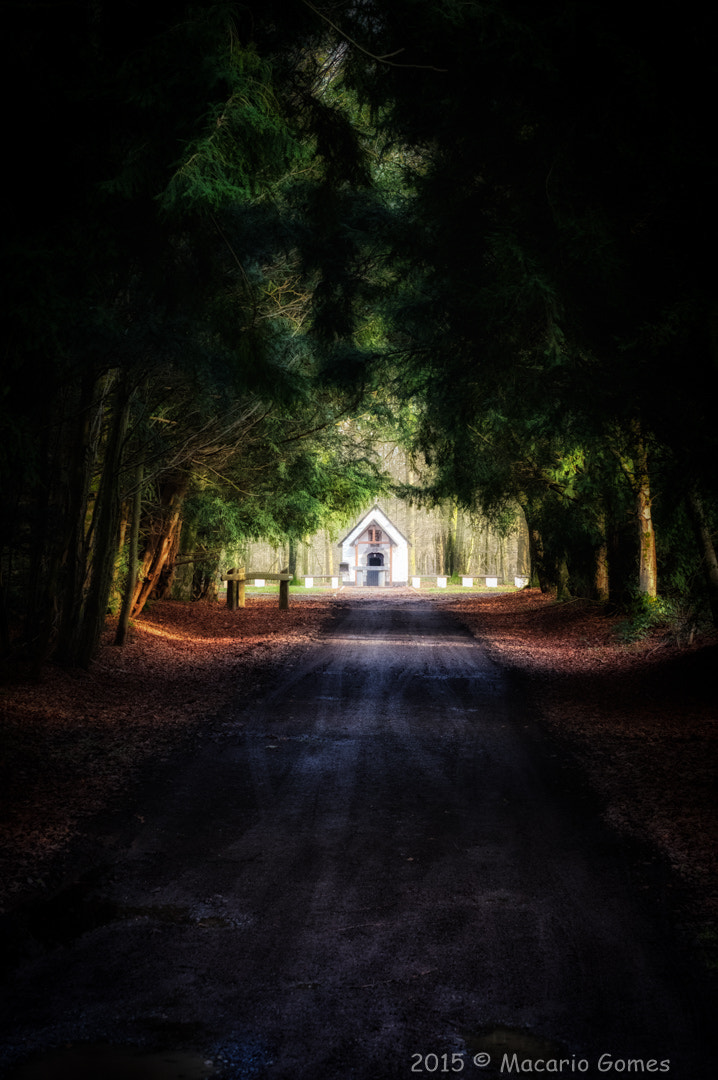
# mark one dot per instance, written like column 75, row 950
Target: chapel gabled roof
column 375, row 515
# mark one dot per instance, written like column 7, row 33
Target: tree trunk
column 70, row 431
column 704, row 539
column 563, row 591
column 440, row 553
column 164, row 529
column 469, row 556
column 84, row 463
column 410, row 478
column 647, row 559
column 131, row 584
column 411, row 536
column 165, row 580
column 328, row 555
column 105, row 529
column 539, row 572
column 601, row 582
column 523, row 548
column 292, row 559
column 637, row 473
column 451, row 556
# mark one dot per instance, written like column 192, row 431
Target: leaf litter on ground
column 639, row 718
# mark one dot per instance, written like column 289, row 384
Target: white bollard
column 467, row 582
column 308, row 582
column 521, row 582
column 335, row 582
column 416, row 582
column 441, row 582
column 492, row 582
column 259, row 582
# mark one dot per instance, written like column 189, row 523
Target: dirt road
column 376, row 867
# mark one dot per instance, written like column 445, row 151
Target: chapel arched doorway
column 374, row 559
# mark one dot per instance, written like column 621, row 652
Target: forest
column 246, row 243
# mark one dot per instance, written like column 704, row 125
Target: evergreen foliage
column 239, row 225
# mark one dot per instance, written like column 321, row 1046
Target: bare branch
column 379, row 59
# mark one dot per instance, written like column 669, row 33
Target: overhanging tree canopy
column 255, row 217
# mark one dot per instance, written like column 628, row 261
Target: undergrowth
column 677, row 619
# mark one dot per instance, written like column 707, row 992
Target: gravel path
column 375, row 868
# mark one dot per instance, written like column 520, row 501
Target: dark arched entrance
column 373, row 559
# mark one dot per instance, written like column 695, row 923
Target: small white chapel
column 374, row 553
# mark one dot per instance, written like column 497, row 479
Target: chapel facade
column 374, row 553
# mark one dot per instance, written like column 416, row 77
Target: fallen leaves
column 640, row 718
column 72, row 741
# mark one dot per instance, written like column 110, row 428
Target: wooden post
column 235, row 588
column 283, row 594
column 231, row 592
